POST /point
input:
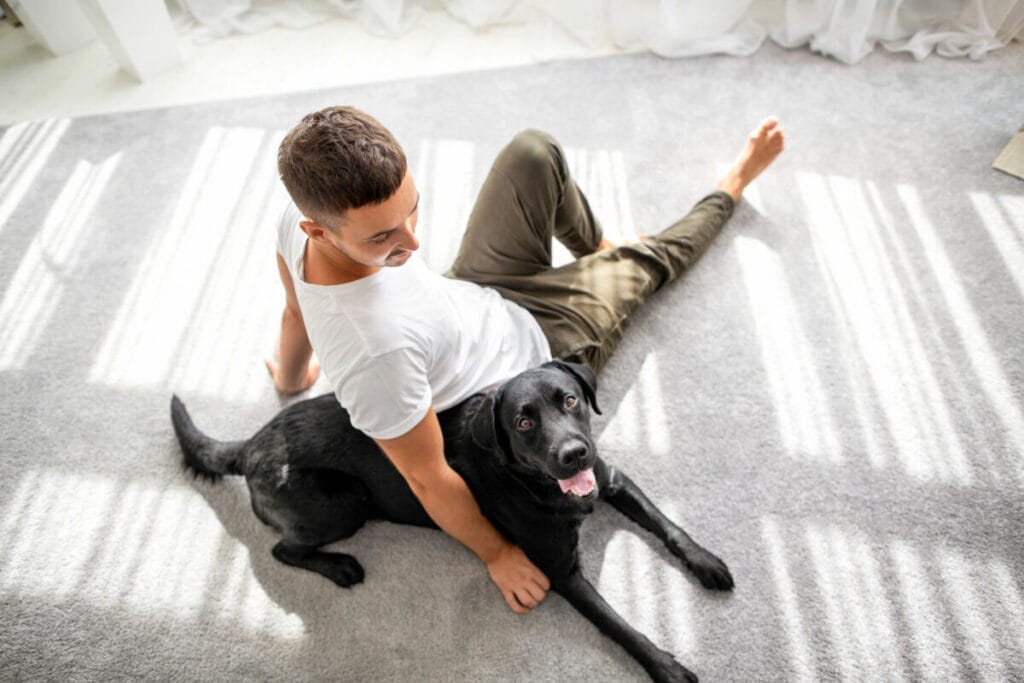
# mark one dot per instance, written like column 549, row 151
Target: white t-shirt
column 403, row 339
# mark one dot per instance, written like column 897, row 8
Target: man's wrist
column 493, row 552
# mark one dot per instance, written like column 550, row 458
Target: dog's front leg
column 661, row 665
column 626, row 497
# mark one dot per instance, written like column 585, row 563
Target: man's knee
column 532, row 153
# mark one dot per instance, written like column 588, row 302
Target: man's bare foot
column 764, row 144
column 288, row 389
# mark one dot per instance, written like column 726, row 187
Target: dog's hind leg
column 311, row 508
column 626, row 497
column 340, row 568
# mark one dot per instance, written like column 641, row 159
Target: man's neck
column 323, row 269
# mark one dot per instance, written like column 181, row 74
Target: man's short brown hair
column 339, row 158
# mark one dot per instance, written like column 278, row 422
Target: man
column 400, row 343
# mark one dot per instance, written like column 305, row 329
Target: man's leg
column 584, row 307
column 527, row 198
column 589, row 312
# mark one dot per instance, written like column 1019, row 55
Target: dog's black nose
column 572, row 453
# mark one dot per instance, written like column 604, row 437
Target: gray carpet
column 832, row 399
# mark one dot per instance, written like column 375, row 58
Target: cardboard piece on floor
column 1011, row 159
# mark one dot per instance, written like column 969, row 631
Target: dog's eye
column 570, row 401
column 524, row 423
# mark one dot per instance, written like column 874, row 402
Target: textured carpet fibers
column 832, row 399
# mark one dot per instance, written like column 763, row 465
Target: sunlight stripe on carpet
column 122, row 544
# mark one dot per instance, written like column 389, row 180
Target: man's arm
column 295, row 369
column 419, row 457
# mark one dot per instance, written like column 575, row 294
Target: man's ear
column 313, row 230
column 584, row 375
column 485, row 425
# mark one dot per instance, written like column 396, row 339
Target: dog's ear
column 584, row 375
column 485, row 425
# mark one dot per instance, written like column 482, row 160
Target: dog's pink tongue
column 581, row 484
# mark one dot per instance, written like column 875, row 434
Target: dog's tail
column 205, row 457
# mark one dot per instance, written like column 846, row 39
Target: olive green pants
column 582, row 307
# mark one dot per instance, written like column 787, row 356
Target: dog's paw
column 344, row 570
column 667, row 670
column 710, row 571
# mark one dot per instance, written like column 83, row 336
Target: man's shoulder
column 360, row 324
column 288, row 218
column 290, row 238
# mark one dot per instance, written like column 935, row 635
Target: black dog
column 525, row 451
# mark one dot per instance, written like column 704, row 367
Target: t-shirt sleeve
column 286, row 232
column 388, row 394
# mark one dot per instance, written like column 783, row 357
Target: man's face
column 379, row 235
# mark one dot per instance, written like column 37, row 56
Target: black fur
column 316, row 479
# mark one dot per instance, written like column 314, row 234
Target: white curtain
column 844, row 29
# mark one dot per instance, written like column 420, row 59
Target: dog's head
column 540, row 421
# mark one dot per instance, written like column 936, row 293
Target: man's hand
column 523, row 585
column 296, row 384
